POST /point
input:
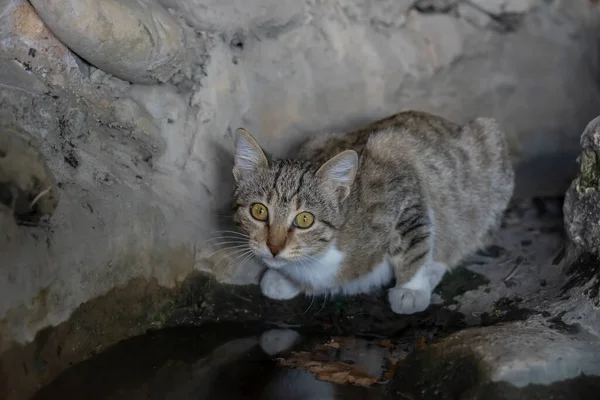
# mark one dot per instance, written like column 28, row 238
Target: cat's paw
column 408, row 301
column 277, row 287
column 275, row 341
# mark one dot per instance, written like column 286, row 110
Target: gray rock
column 582, row 202
column 102, row 32
column 272, row 17
column 45, row 63
column 505, row 6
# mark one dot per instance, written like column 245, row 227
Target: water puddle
column 232, row 362
column 235, row 361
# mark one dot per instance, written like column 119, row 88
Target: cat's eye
column 259, row 212
column 304, row 220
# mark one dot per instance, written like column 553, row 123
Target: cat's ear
column 340, row 172
column 249, row 158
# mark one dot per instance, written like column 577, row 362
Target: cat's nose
column 274, row 249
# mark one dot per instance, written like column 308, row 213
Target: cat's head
column 290, row 210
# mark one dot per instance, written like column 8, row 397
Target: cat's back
column 398, row 132
column 418, row 137
column 463, row 172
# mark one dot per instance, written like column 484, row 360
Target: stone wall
column 135, row 124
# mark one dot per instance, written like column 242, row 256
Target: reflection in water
column 185, row 363
column 231, row 362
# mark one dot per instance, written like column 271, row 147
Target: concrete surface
column 144, row 170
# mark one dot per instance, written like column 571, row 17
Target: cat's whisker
column 235, row 250
column 226, row 237
column 247, row 251
column 312, row 299
column 226, row 248
column 241, row 264
column 315, row 259
column 233, row 233
column 324, row 302
column 232, row 262
column 214, row 266
column 224, row 215
column 309, row 271
column 220, row 241
column 229, row 238
column 221, row 272
column 234, row 253
column 219, row 244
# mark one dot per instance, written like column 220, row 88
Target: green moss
column 590, row 172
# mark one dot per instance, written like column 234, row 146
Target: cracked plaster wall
column 143, row 169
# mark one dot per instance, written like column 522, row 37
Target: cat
column 405, row 198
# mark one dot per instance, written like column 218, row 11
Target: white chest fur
column 322, row 274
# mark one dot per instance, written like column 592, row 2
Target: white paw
column 277, row 287
column 408, row 301
column 275, row 341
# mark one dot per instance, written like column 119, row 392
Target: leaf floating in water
column 325, row 363
column 337, row 342
column 332, row 344
column 387, row 344
column 329, row 371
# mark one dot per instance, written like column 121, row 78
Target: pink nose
column 274, row 249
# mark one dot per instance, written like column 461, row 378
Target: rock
column 474, row 15
column 35, row 61
column 497, row 7
column 16, row 76
column 435, row 6
column 137, row 123
column 272, row 16
column 136, row 41
column 518, row 354
column 582, row 225
column 582, row 202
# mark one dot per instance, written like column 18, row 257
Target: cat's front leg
column 277, row 287
column 415, row 295
column 416, row 273
column 412, row 297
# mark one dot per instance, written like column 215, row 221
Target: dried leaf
column 349, row 341
column 347, row 377
column 332, row 344
column 421, row 343
column 332, row 371
column 320, row 362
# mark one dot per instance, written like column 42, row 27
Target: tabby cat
column 406, row 197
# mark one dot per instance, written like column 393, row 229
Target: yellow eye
column 304, row 220
column 259, row 212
